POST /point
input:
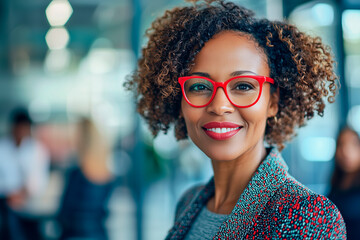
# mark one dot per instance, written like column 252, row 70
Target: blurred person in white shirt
column 24, row 173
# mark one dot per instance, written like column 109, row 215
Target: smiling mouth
column 221, row 130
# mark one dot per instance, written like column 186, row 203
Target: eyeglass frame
column 223, row 85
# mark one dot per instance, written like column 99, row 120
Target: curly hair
column 301, row 65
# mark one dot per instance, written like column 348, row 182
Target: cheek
column 256, row 114
column 191, row 116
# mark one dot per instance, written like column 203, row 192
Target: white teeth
column 222, row 130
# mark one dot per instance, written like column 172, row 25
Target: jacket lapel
column 269, row 176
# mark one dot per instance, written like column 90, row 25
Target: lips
column 221, row 130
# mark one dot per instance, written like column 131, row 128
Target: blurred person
column 83, row 210
column 345, row 184
column 24, row 172
column 239, row 87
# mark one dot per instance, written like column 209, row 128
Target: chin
column 219, row 153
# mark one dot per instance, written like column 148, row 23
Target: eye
column 198, row 87
column 244, row 86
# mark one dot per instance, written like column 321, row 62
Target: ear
column 274, row 103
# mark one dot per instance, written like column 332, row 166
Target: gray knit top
column 206, row 225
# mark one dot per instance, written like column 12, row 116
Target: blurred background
column 66, row 62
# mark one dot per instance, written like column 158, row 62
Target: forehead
column 231, row 51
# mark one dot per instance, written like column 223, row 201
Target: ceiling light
column 57, row 38
column 58, row 12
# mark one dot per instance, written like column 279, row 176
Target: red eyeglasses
column 242, row 91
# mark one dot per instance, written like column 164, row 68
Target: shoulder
column 298, row 211
column 186, row 198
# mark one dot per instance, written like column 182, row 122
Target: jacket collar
column 269, row 176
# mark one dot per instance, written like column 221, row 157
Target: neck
column 17, row 142
column 232, row 177
column 348, row 180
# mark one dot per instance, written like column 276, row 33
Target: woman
column 345, row 191
column 231, row 83
column 83, row 211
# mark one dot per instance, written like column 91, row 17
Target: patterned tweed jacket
column 273, row 206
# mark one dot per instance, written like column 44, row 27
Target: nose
column 220, row 104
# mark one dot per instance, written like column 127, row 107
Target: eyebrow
column 202, row 74
column 233, row 74
column 242, row 72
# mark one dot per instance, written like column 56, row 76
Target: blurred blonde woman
column 84, row 205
